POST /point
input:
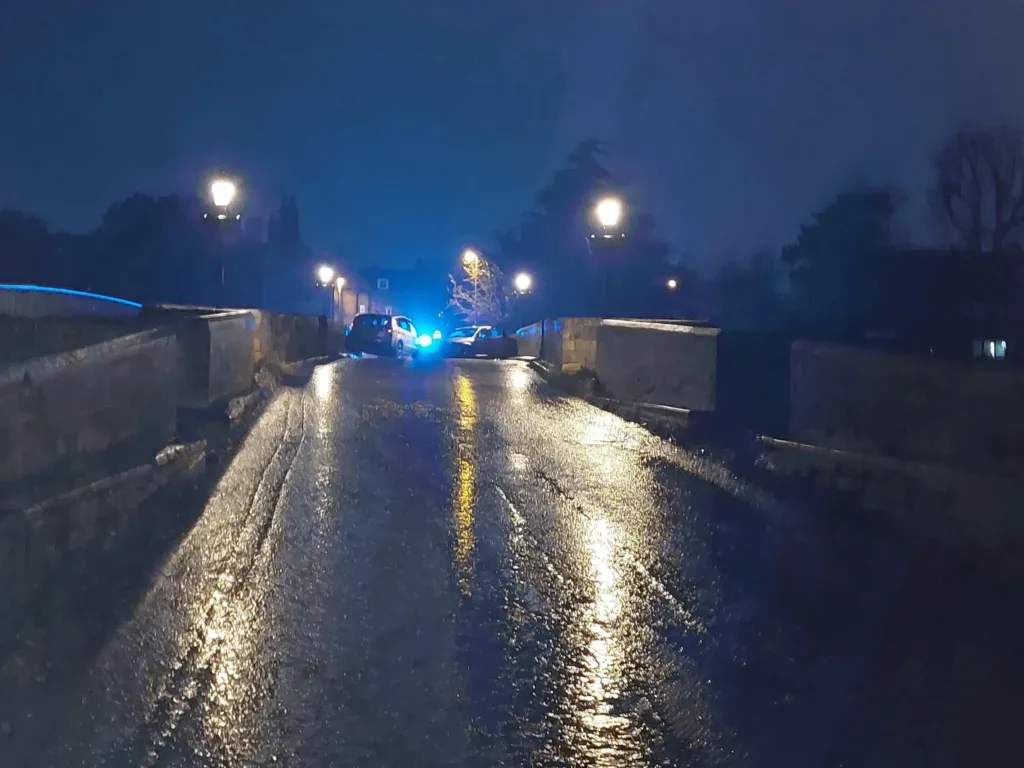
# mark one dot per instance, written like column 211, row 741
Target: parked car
column 376, row 334
column 480, row 341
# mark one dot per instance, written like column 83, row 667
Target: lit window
column 383, row 284
column 994, row 349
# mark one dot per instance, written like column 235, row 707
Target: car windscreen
column 462, row 333
column 363, row 321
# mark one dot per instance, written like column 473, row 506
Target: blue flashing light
column 69, row 292
column 437, row 335
column 425, row 340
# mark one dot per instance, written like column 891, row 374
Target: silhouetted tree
column 829, row 264
column 478, row 298
column 978, row 192
column 162, row 250
column 551, row 243
column 157, row 249
column 639, row 271
column 284, row 233
column 747, row 295
column 288, row 263
column 27, row 250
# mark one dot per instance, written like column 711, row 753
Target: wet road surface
column 450, row 564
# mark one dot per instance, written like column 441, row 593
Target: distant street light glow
column 341, row 283
column 223, row 192
column 469, row 256
column 672, row 284
column 609, row 212
column 523, row 282
column 325, row 274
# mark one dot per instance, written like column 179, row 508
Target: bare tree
column 978, row 195
column 478, row 297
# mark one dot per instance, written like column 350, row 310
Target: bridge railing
column 74, row 389
column 835, row 396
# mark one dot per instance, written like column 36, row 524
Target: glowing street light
column 341, row 283
column 470, row 257
column 325, row 274
column 223, row 192
column 609, row 212
column 523, row 282
column 672, row 284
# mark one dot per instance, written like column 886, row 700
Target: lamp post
column 327, row 278
column 608, row 214
column 339, row 296
column 672, row 284
column 223, row 194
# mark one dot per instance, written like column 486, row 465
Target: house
column 419, row 292
column 353, row 294
column 951, row 304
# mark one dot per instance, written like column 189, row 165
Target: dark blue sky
column 407, row 128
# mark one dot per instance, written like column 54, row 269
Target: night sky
column 407, row 128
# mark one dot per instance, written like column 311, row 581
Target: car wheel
column 399, row 349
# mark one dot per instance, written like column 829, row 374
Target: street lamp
column 470, row 257
column 223, row 195
column 223, row 192
column 609, row 212
column 325, row 274
column 341, row 283
column 523, row 282
column 672, row 284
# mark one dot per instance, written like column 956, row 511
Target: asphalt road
column 451, row 564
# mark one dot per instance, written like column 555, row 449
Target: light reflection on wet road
column 449, row 564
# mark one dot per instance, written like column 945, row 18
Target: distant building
column 419, row 292
column 353, row 294
column 951, row 304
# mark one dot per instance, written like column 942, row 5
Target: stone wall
column 61, row 410
column 573, row 343
column 222, row 348
column 22, row 338
column 569, row 344
column 907, row 407
column 529, row 338
column 658, row 363
column 216, row 357
column 287, row 338
column 30, row 301
column 752, row 381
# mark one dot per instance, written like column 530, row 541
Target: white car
column 480, row 341
column 377, row 334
